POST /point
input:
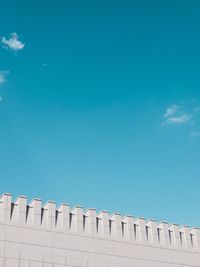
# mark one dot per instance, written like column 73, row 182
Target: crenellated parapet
column 101, row 225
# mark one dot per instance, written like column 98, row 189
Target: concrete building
column 32, row 235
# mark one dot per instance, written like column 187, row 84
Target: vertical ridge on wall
column 164, row 234
column 141, row 234
column 62, row 217
column 18, row 210
column 128, row 232
column 77, row 219
column 195, row 238
column 103, row 223
column 34, row 216
column 5, row 207
column 90, row 224
column 152, row 231
column 116, row 225
column 49, row 215
column 185, row 237
column 175, row 235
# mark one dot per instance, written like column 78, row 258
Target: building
column 32, row 235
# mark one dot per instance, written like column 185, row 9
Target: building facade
column 32, row 235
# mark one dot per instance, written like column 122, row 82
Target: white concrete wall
column 36, row 236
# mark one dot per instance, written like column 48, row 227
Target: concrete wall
column 32, row 235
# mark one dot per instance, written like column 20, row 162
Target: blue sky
column 100, row 105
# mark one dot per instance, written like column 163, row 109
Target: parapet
column 100, row 225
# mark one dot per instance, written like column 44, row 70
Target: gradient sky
column 100, row 105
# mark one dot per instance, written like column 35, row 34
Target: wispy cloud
column 175, row 114
column 187, row 114
column 171, row 110
column 13, row 43
column 3, row 75
column 181, row 119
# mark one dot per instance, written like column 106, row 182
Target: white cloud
column 183, row 115
column 181, row 119
column 171, row 110
column 13, row 42
column 174, row 114
column 3, row 75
